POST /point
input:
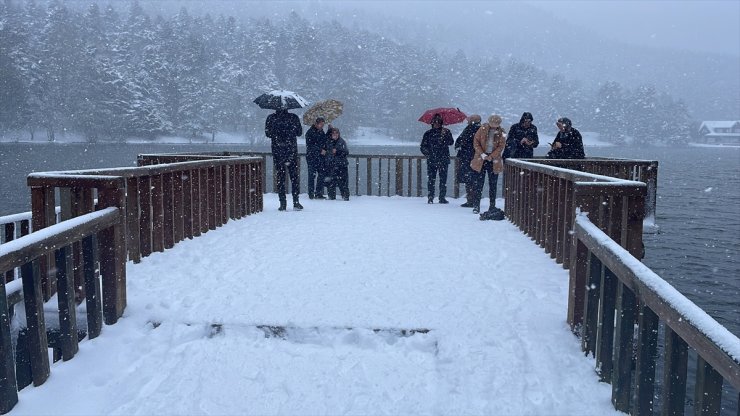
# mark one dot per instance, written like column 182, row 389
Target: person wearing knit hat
column 465, row 153
column 522, row 139
column 489, row 144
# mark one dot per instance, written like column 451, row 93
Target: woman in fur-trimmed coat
column 489, row 144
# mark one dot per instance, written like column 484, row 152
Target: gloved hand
column 483, row 155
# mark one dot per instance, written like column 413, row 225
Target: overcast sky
column 710, row 26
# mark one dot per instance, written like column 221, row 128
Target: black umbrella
column 280, row 100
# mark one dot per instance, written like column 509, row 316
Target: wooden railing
column 406, row 175
column 107, row 216
column 582, row 220
column 624, row 292
column 61, row 241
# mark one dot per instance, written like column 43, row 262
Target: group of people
column 482, row 149
column 326, row 156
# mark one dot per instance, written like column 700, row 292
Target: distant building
column 720, row 132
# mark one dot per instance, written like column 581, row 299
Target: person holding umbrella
column 435, row 145
column 283, row 128
column 315, row 142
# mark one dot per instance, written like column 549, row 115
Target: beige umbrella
column 328, row 109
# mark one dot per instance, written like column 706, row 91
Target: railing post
column 112, row 249
column 418, row 177
column 9, row 231
column 605, row 334
column 591, row 305
column 157, row 192
column 168, row 211
column 133, row 221
column 43, row 208
column 674, row 374
column 623, row 349
column 8, row 387
column 399, row 177
column 92, row 286
column 35, row 323
column 66, row 301
column 647, row 345
column 178, row 210
column 708, row 390
column 188, row 206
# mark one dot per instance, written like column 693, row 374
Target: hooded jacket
column 514, row 147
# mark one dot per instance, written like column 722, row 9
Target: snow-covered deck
column 494, row 304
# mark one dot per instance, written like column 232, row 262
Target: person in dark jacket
column 522, row 138
column 568, row 144
column 315, row 141
column 336, row 152
column 465, row 152
column 283, row 128
column 436, row 147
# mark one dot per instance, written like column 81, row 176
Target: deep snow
column 193, row 339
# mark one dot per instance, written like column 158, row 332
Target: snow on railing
column 623, row 308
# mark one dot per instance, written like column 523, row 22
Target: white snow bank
column 494, row 304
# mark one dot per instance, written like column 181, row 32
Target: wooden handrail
column 24, row 249
column 718, row 346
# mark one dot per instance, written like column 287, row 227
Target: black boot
column 442, row 200
column 297, row 205
column 283, row 206
column 430, row 200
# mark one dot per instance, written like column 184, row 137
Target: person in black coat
column 465, row 153
column 315, row 141
column 436, row 147
column 568, row 144
column 336, row 152
column 283, row 128
column 522, row 138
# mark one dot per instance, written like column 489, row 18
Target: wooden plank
column 605, row 334
column 112, row 249
column 66, row 302
column 211, row 195
column 178, row 207
column 647, row 347
column 196, row 201
column 93, row 300
column 35, row 324
column 146, row 219
column 225, row 192
column 409, row 178
column 623, row 349
column 43, row 209
column 418, row 176
column 204, row 206
column 157, row 214
column 674, row 374
column 187, row 204
column 8, row 386
column 168, row 221
column 9, row 231
column 591, row 305
column 133, row 221
column 708, row 390
column 399, row 176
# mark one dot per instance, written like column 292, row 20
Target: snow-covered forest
column 110, row 73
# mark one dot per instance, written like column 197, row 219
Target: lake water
column 698, row 208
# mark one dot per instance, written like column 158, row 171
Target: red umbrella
column 449, row 115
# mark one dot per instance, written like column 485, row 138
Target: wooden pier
column 588, row 215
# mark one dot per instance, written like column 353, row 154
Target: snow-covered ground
column 303, row 313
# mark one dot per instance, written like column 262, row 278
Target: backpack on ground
column 494, row 214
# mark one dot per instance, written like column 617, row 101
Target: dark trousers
column 480, row 179
column 289, row 165
column 432, row 170
column 315, row 177
column 339, row 178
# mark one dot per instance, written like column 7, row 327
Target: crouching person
column 336, row 165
